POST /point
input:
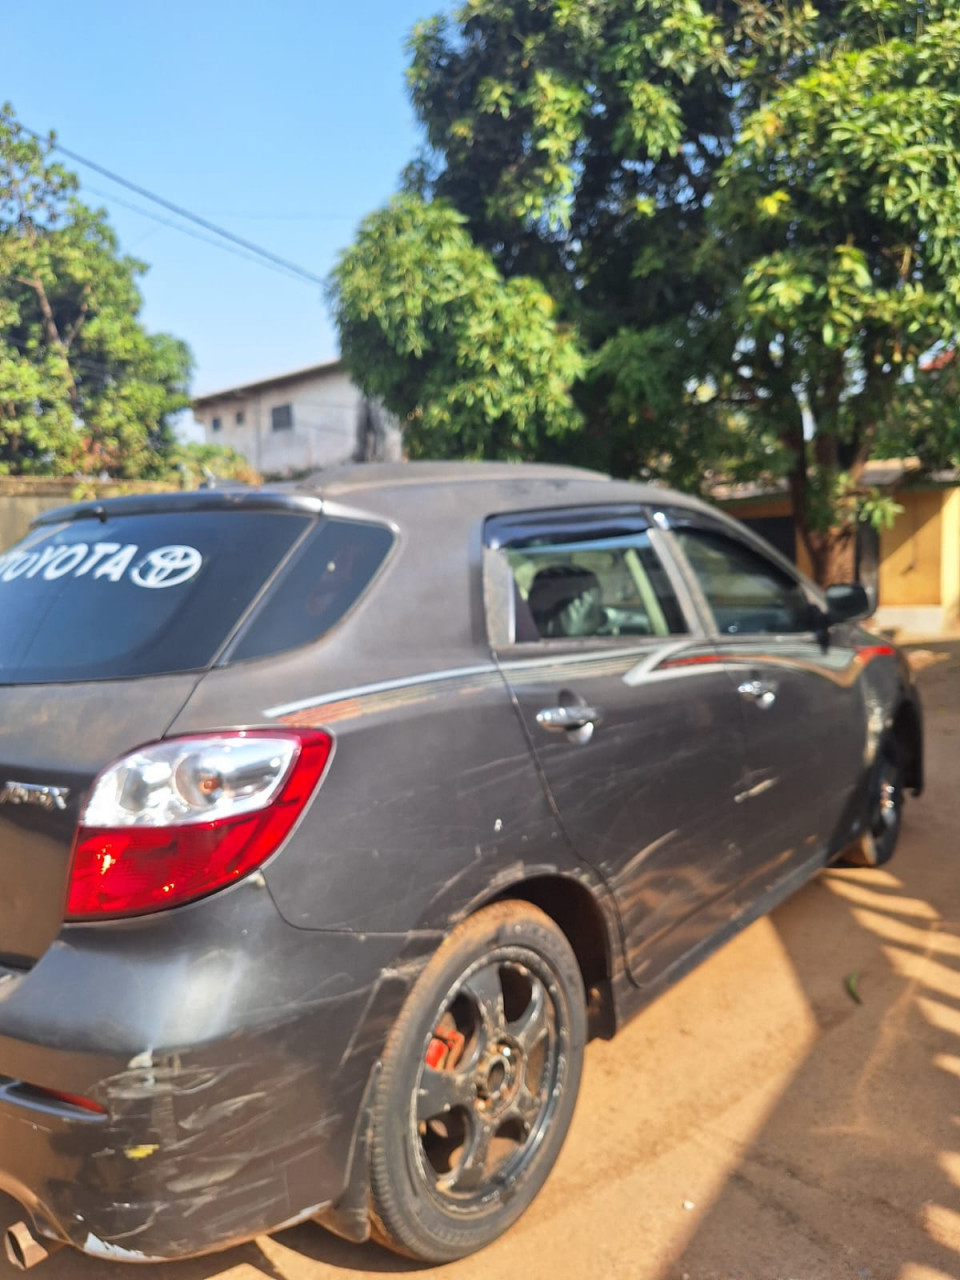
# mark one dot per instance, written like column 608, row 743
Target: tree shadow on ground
column 856, row 1171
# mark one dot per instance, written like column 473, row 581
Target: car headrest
column 565, row 601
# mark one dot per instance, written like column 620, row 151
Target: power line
column 194, row 235
column 248, row 245
column 284, row 217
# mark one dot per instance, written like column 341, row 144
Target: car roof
column 357, row 477
column 403, row 491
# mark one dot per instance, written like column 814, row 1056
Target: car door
column 801, row 703
column 641, row 746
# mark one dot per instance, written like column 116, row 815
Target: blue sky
column 283, row 120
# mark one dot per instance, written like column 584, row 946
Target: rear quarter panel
column 432, row 800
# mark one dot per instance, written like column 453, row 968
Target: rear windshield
column 134, row 595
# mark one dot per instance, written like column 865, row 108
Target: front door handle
column 764, row 695
column 558, row 719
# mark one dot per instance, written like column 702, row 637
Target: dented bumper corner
column 228, row 1059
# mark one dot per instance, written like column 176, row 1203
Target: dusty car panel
column 177, row 1081
column 653, row 756
column 480, row 819
column 792, row 687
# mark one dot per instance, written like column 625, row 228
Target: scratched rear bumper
column 226, row 1114
column 165, row 1175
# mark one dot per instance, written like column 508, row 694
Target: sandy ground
column 756, row 1123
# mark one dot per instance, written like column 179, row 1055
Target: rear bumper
column 229, row 1053
column 192, row 1155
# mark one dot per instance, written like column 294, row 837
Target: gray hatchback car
column 336, row 819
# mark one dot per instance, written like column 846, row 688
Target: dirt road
column 756, row 1123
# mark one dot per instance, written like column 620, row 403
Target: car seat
column 565, row 600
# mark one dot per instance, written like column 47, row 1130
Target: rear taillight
column 179, row 819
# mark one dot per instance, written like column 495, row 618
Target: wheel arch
column 907, row 732
column 591, row 930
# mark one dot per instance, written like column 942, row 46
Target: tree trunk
column 835, row 555
column 53, row 333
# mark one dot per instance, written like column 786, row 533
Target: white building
column 300, row 421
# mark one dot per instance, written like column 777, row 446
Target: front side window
column 748, row 594
column 581, row 586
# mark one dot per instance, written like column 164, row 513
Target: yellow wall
column 911, row 563
column 919, row 556
column 24, row 497
column 950, row 557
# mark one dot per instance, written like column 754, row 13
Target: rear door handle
column 560, row 719
column 764, row 695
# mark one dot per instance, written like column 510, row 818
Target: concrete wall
column 16, row 512
column 326, row 410
column 22, row 498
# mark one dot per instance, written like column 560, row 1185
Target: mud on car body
column 337, row 818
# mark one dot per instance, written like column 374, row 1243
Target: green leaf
column 852, row 984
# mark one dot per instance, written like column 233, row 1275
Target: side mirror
column 847, row 602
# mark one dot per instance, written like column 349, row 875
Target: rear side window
column 325, row 577
column 134, row 595
column 603, row 586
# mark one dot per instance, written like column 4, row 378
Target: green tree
column 195, row 463
column 474, row 364
column 83, row 386
column 746, row 212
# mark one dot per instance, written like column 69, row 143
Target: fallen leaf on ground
column 853, row 987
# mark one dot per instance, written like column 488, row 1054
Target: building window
column 216, row 424
column 239, row 418
column 281, row 417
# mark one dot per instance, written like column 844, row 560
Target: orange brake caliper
column 444, row 1049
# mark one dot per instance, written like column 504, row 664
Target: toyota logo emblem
column 167, row 567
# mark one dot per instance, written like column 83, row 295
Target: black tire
column 461, row 1148
column 884, row 817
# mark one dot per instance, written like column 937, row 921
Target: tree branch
column 73, row 329
column 53, row 333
